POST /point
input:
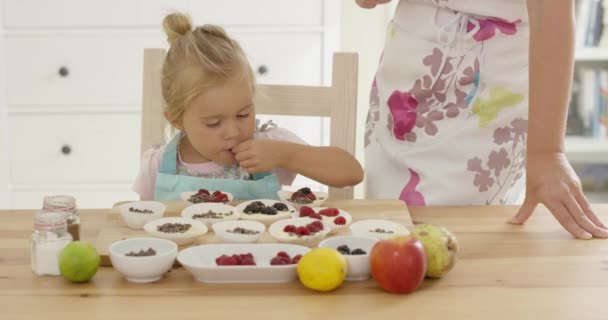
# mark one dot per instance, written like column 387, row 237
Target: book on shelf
column 591, row 21
column 588, row 114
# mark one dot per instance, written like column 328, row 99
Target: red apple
column 398, row 265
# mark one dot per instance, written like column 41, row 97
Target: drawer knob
column 262, row 70
column 65, row 149
column 64, row 72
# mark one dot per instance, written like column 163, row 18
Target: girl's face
column 219, row 119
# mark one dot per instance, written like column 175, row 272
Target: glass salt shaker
column 67, row 204
column 50, row 236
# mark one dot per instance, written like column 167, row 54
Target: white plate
column 263, row 218
column 276, row 231
column 200, row 262
column 330, row 220
column 285, row 197
column 230, row 212
column 364, row 228
column 186, row 195
column 196, row 230
column 221, row 230
column 136, row 220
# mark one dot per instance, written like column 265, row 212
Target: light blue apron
column 169, row 184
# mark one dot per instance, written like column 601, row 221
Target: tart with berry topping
column 337, row 219
column 303, row 197
column 265, row 210
column 303, row 231
column 204, row 196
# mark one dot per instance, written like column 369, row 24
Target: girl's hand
column 552, row 182
column 258, row 155
column 370, row 4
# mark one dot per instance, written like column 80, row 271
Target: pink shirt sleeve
column 285, row 176
column 146, row 178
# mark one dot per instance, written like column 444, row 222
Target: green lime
column 78, row 261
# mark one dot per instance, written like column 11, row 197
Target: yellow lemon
column 322, row 269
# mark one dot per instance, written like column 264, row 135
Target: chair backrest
column 338, row 102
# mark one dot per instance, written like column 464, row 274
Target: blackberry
column 358, row 251
column 344, row 249
column 280, row 206
column 268, row 210
column 305, row 190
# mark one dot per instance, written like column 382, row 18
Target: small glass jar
column 49, row 238
column 67, row 204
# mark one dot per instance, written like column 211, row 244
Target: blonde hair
column 198, row 59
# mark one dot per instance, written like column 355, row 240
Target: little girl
column 209, row 86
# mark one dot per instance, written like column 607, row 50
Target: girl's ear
column 177, row 124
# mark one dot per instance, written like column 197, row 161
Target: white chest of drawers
column 70, row 83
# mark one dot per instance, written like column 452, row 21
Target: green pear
column 440, row 247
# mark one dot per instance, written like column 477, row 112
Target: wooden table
column 537, row 271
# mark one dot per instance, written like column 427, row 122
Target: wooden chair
column 338, row 102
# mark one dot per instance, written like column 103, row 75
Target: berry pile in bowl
column 204, row 195
column 336, row 219
column 302, row 231
column 265, row 211
column 242, row 263
column 303, row 197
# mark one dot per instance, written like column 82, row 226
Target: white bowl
column 285, row 197
column 330, row 220
column 221, row 230
column 143, row 269
column 196, row 230
column 358, row 265
column 186, row 195
column 136, row 220
column 263, row 218
column 230, row 213
column 200, row 261
column 276, row 231
column 365, row 228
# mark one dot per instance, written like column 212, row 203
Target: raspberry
column 296, row 259
column 283, row 254
column 316, row 216
column 318, row 224
column 216, row 193
column 226, row 260
column 279, row 261
column 330, row 212
column 312, row 228
column 302, row 231
column 311, row 196
column 306, row 211
column 340, row 221
column 203, row 191
column 237, row 258
column 290, row 228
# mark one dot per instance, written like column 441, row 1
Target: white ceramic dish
column 143, row 269
column 330, row 220
column 358, row 265
column 196, row 230
column 285, row 197
column 137, row 220
column 186, row 196
column 227, row 212
column 222, row 230
column 200, row 262
column 366, row 228
column 276, row 230
column 263, row 218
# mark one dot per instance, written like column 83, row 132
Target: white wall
column 363, row 31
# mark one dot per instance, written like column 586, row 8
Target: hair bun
column 176, row 25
